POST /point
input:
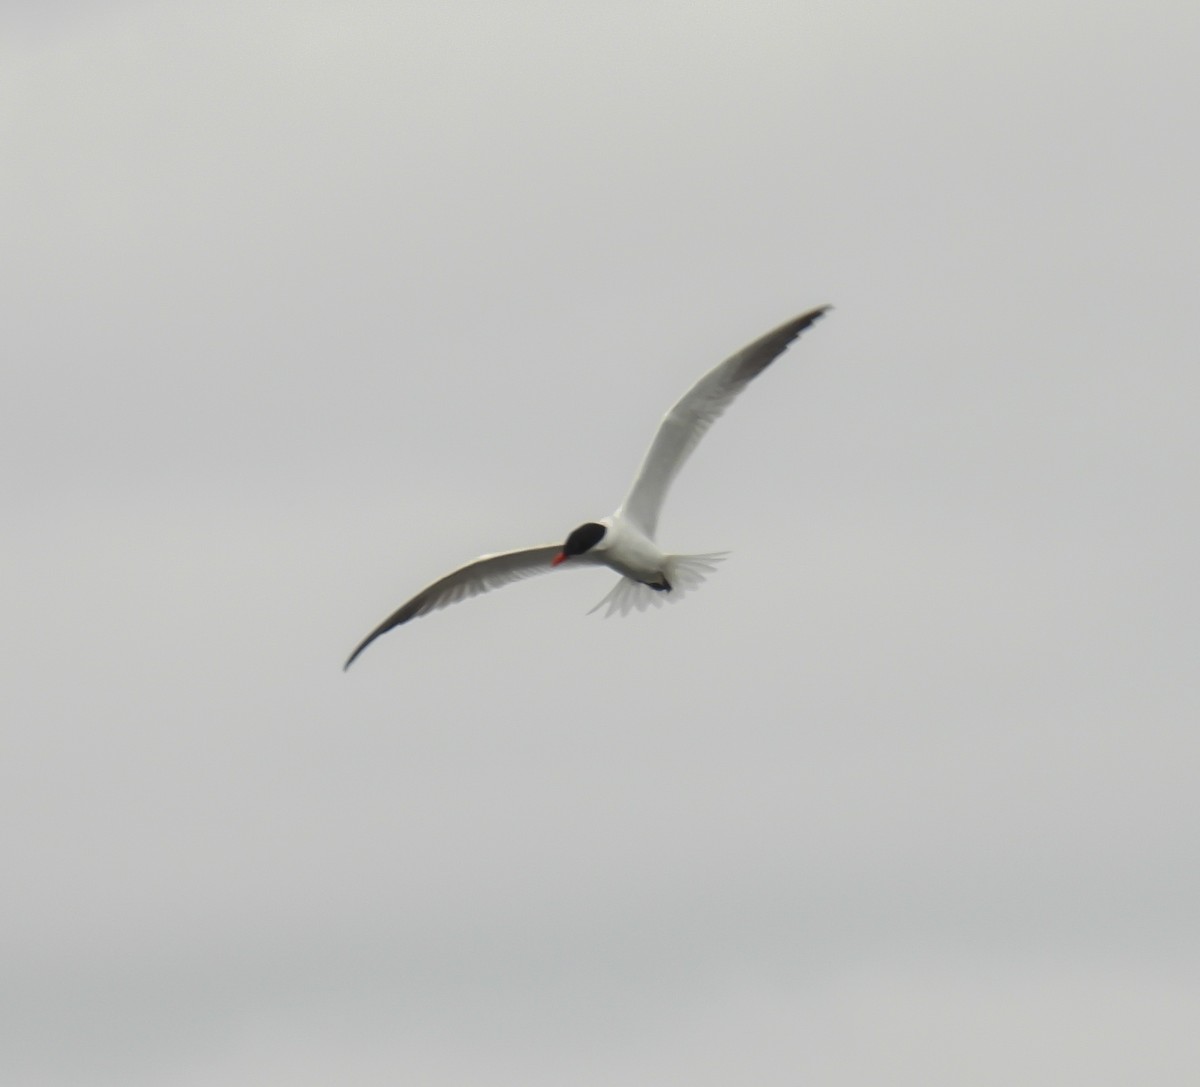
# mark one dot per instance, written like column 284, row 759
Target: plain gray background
column 305, row 303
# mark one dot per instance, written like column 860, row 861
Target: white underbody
column 650, row 577
column 631, row 552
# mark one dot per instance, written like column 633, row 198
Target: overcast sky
column 306, row 303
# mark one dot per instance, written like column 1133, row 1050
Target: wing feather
column 689, row 419
column 484, row 574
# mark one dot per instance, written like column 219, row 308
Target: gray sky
column 307, row 302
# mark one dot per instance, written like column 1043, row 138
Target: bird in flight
column 623, row 541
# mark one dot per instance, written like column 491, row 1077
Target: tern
column 623, row 541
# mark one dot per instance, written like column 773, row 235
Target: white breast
column 631, row 552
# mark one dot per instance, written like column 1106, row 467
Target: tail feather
column 686, row 573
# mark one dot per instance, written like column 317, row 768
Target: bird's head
column 583, row 539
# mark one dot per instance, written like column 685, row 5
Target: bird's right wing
column 484, row 574
column 688, row 421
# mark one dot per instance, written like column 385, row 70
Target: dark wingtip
column 354, row 656
column 413, row 607
column 787, row 332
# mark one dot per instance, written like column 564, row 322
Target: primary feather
column 481, row 576
column 693, row 413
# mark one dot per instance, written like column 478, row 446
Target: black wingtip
column 390, row 623
column 778, row 339
column 354, row 656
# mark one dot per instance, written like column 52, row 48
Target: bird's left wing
column 484, row 574
column 691, row 416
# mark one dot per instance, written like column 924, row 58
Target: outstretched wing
column 687, row 422
column 484, row 574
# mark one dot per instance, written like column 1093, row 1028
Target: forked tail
column 686, row 573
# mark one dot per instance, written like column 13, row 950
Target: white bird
column 624, row 541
